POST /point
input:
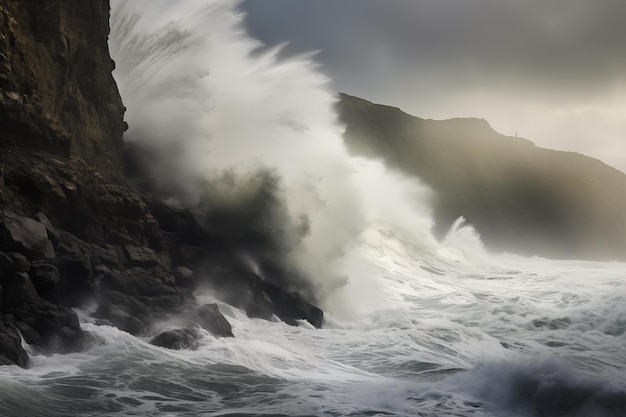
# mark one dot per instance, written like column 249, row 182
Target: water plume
column 248, row 141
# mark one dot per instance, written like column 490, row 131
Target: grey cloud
column 561, row 49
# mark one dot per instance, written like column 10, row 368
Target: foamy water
column 413, row 327
column 514, row 337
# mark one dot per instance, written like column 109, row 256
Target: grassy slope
column 521, row 198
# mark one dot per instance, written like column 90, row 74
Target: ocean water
column 446, row 336
column 414, row 327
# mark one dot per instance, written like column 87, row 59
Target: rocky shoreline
column 134, row 279
column 73, row 231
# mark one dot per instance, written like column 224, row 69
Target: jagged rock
column 117, row 316
column 22, row 264
column 124, row 311
column 177, row 339
column 144, row 282
column 261, row 299
column 11, row 350
column 103, row 322
column 132, row 298
column 142, row 256
column 259, row 306
column 28, row 234
column 45, row 277
column 185, row 277
column 109, row 255
column 208, row 317
column 52, row 327
column 290, row 307
column 7, row 265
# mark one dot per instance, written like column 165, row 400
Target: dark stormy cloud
column 552, row 70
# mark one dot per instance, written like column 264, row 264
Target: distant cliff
column 520, row 198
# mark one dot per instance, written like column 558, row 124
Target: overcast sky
column 554, row 71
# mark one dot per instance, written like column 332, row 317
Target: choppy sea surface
column 446, row 336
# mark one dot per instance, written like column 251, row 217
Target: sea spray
column 250, row 142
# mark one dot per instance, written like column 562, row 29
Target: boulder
column 124, row 311
column 261, row 299
column 259, row 306
column 141, row 256
column 22, row 264
column 185, row 277
column 45, row 278
column 208, row 317
column 29, row 235
column 109, row 255
column 178, row 339
column 289, row 306
column 52, row 327
column 7, row 265
column 153, row 282
column 11, row 350
column 132, row 298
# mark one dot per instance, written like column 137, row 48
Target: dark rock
column 11, row 350
column 261, row 299
column 259, row 306
column 124, row 311
column 43, row 219
column 142, row 256
column 77, row 284
column 181, row 223
column 290, row 307
column 68, row 244
column 52, row 327
column 100, row 271
column 185, row 277
column 22, row 264
column 191, row 255
column 28, row 234
column 122, row 319
column 45, row 277
column 132, row 298
column 109, row 255
column 177, row 339
column 210, row 319
column 142, row 282
column 7, row 265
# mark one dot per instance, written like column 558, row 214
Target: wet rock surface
column 178, row 339
column 209, row 318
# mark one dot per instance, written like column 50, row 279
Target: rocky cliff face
column 72, row 231
column 55, row 74
column 520, row 198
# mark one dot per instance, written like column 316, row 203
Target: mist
column 249, row 142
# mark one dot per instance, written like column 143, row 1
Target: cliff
column 58, row 92
column 519, row 197
column 73, row 232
